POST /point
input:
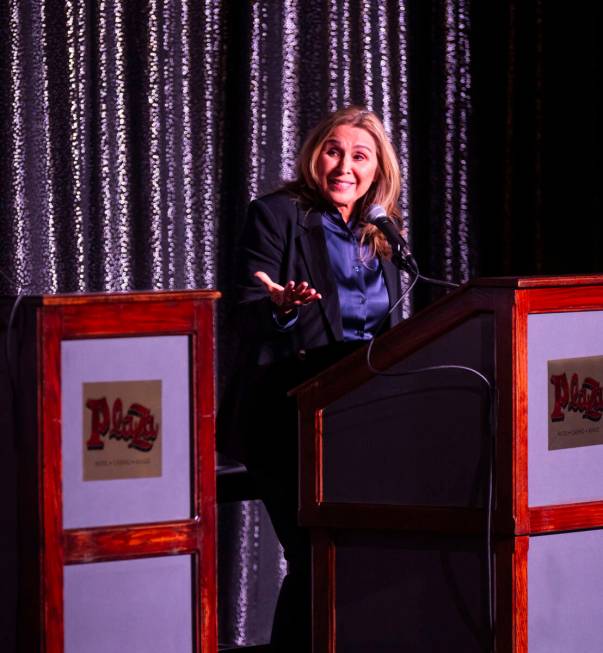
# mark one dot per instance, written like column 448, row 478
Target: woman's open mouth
column 340, row 184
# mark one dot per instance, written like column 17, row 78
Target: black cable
column 438, row 282
column 491, row 473
column 9, row 331
column 384, row 320
column 10, row 348
column 491, row 427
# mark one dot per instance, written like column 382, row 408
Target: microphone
column 401, row 254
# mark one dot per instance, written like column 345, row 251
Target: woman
column 314, row 282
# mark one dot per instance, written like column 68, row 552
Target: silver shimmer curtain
column 111, row 144
column 133, row 134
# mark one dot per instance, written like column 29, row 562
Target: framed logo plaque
column 121, row 430
column 575, row 402
column 122, row 397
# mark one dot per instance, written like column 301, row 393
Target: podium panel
column 565, row 577
column 420, row 439
column 571, row 474
column 121, row 606
column 119, row 468
column 406, row 592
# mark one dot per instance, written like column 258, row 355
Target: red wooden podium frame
column 67, row 317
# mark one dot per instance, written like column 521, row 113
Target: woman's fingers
column 279, row 295
column 267, row 281
column 305, row 294
column 291, row 294
column 308, row 297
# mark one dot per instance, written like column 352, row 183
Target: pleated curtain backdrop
column 111, row 150
column 134, row 133
column 131, row 129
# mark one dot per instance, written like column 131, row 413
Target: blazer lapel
column 391, row 275
column 314, row 250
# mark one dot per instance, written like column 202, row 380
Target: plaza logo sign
column 137, row 427
column 575, row 402
column 120, row 442
column 585, row 397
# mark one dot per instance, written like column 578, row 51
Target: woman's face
column 346, row 167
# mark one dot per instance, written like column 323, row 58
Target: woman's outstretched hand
column 287, row 297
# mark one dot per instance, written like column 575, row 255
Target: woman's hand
column 286, row 298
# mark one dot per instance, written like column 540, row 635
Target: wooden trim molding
column 511, row 577
column 134, row 297
column 519, row 434
column 85, row 545
column 203, row 467
column 566, row 517
column 520, row 594
column 427, row 519
column 564, row 299
column 49, row 409
column 323, row 593
column 111, row 319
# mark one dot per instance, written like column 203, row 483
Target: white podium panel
column 138, row 606
column 565, row 593
column 126, row 430
column 573, row 474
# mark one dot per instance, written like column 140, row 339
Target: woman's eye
column 359, row 157
column 332, row 152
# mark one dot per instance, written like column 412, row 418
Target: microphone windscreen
column 375, row 212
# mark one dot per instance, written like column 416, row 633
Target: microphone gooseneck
column 401, row 254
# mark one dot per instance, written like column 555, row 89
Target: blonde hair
column 385, row 190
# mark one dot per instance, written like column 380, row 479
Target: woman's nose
column 345, row 163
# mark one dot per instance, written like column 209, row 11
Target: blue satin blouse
column 363, row 296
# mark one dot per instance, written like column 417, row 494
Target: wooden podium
column 112, row 436
column 396, row 471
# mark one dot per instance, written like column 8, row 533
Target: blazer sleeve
column 264, row 246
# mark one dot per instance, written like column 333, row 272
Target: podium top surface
column 539, row 281
column 66, row 299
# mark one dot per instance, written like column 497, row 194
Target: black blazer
column 286, row 242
